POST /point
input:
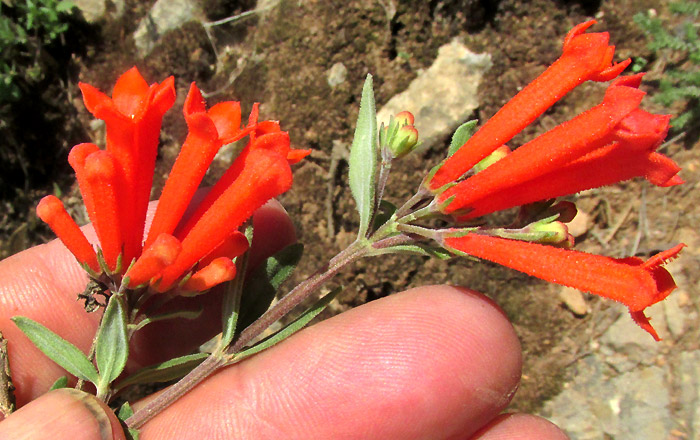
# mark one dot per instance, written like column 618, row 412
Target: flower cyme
column 612, row 142
column 116, row 184
column 584, row 57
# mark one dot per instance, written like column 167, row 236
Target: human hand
column 434, row 362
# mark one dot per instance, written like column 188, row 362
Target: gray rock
column 164, row 16
column 443, row 96
column 94, row 10
column 600, row 403
column 688, row 376
column 337, row 74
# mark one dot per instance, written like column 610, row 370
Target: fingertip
column 431, row 360
column 273, row 231
column 63, row 414
column 520, row 427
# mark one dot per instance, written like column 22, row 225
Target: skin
column 434, row 362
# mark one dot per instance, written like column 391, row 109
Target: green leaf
column 291, row 328
column 262, row 286
column 112, row 344
column 57, row 349
column 125, row 411
column 363, row 157
column 184, row 314
column 231, row 303
column 386, row 210
column 61, row 382
column 425, row 250
column 164, row 371
column 461, row 136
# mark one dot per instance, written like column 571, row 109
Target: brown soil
column 281, row 60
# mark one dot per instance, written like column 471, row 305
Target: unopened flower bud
column 554, row 232
column 400, row 137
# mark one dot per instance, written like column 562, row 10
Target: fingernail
column 61, row 414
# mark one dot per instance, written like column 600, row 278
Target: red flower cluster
column 193, row 252
column 612, row 142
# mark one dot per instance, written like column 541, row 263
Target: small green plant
column 25, row 28
column 678, row 50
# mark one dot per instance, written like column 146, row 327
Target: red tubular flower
column 264, row 137
column 207, row 133
column 161, row 253
column 133, row 118
column 265, row 174
column 585, row 57
column 609, row 143
column 233, row 246
column 102, row 177
column 631, row 281
column 76, row 159
column 51, row 210
column 218, row 271
column 116, row 185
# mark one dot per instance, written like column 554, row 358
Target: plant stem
column 213, row 363
column 170, row 395
column 299, row 294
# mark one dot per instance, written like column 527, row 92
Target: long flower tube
column 266, row 174
column 207, row 132
column 584, row 57
column 635, row 283
column 133, row 119
column 563, row 144
column 51, row 210
column 543, row 168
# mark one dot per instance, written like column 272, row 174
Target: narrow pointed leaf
column 164, row 371
column 363, row 157
column 262, row 286
column 461, row 136
column 61, row 382
column 125, row 411
column 112, row 347
column 182, row 314
column 291, row 328
column 231, row 304
column 57, row 349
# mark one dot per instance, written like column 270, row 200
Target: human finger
column 42, row 283
column 434, row 362
column 520, row 427
column 64, row 414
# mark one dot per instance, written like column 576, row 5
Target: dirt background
column 281, row 58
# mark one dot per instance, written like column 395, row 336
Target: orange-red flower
column 116, row 186
column 609, row 143
column 631, row 281
column 585, row 57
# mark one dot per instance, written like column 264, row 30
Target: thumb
column 64, row 414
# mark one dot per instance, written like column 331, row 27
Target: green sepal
column 61, row 382
column 65, row 354
column 289, row 329
column 261, row 288
column 112, row 342
column 125, row 411
column 363, row 158
column 164, row 371
column 462, row 135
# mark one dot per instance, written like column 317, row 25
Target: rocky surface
column 444, row 95
column 627, row 386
